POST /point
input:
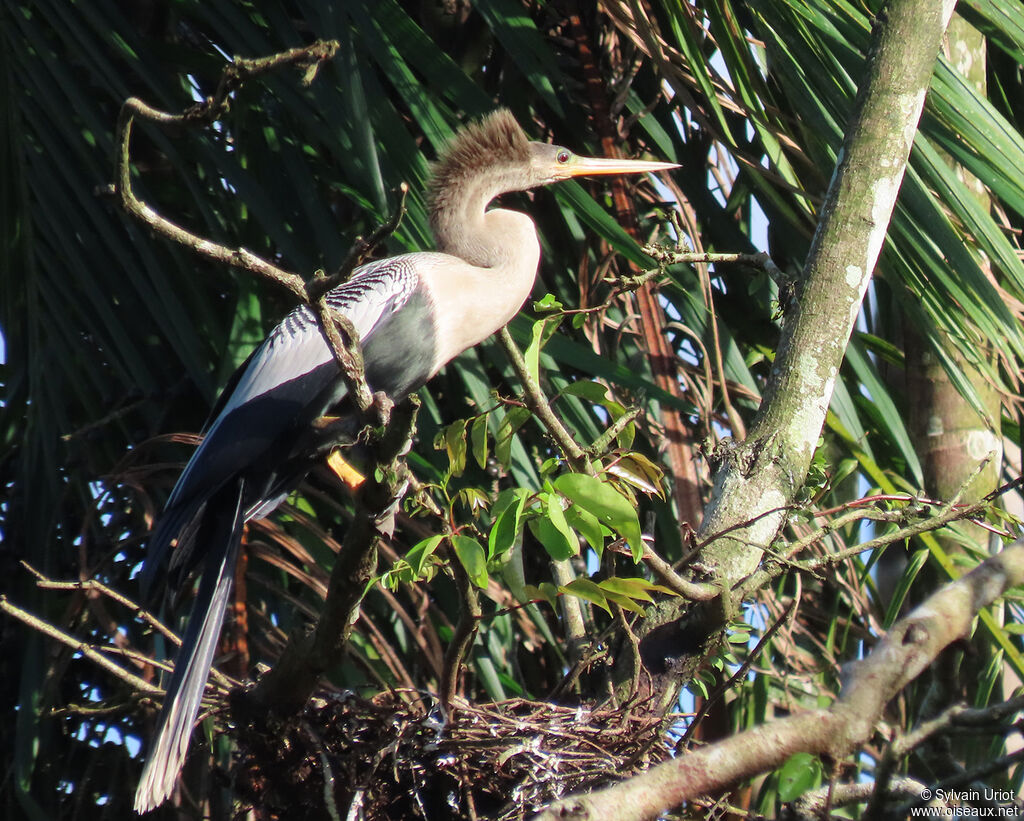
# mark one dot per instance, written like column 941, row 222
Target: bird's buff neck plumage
column 484, row 161
column 497, row 251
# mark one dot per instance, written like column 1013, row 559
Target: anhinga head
column 493, row 157
column 552, row 163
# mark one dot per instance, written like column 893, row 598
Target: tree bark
column 909, row 648
column 949, row 434
column 753, row 488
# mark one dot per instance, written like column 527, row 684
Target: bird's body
column 413, row 314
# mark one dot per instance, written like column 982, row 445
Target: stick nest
column 399, row 756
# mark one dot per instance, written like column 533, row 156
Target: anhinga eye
column 562, row 157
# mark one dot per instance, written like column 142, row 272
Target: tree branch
column 86, row 649
column 853, row 222
column 913, row 643
column 296, row 674
column 541, row 408
column 338, row 332
column 572, row 610
column 951, row 511
column 289, row 684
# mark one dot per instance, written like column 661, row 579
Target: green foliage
column 604, row 503
column 801, row 773
column 117, row 342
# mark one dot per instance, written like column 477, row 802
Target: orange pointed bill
column 581, row 166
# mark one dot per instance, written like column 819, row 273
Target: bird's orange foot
column 352, row 478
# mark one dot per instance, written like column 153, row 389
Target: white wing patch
column 296, row 346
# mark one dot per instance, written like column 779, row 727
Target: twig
column 812, row 805
column 92, row 585
column 667, row 575
column 87, row 650
column 695, row 591
column 347, row 351
column 671, row 256
column 909, row 648
column 541, row 408
column 949, row 720
column 465, row 629
column 967, row 777
column 320, row 285
column 950, row 511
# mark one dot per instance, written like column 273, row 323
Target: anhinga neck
column 489, row 264
column 462, row 225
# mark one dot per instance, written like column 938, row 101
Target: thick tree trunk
column 949, row 434
column 753, row 488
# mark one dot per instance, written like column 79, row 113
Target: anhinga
column 413, row 314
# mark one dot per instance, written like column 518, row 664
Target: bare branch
column 87, row 650
column 913, row 643
column 950, row 511
column 539, row 405
column 92, row 587
column 813, row 805
column 344, row 345
column 236, row 257
column 295, row 676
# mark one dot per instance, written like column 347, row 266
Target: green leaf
column 587, row 525
column 587, row 389
column 800, row 773
column 478, row 440
column 609, row 506
column 520, row 37
column 626, row 436
column 586, row 589
column 474, row 498
column 532, row 353
column 634, row 588
column 421, row 552
column 455, row 444
column 625, row 602
column 552, row 530
column 548, row 302
column 508, row 523
column 509, row 425
column 546, row 592
column 540, row 333
column 904, row 585
column 471, row 556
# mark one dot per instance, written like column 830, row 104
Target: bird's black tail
column 223, row 536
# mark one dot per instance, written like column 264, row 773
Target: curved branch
column 913, row 643
column 819, row 320
column 343, row 343
column 296, row 674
